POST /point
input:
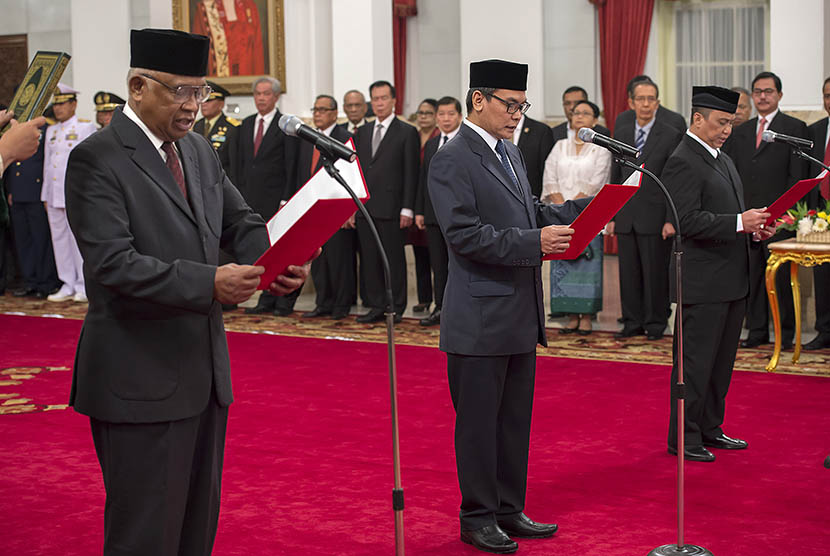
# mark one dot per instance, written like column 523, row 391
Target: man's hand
column 293, row 278
column 766, row 233
column 235, row 283
column 556, row 239
column 5, row 117
column 420, row 222
column 406, row 221
column 754, row 219
column 668, row 230
column 609, row 228
column 20, row 141
column 350, row 223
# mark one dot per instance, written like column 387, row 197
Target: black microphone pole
column 801, row 154
column 678, row 389
column 397, row 492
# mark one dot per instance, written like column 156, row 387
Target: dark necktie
column 174, row 165
column 505, row 163
column 444, row 140
column 641, row 139
column 722, row 165
column 260, row 131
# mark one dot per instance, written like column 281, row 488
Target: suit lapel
column 489, row 160
column 389, row 135
column 192, row 179
column 733, row 181
column 270, row 135
column 524, row 184
column 654, row 138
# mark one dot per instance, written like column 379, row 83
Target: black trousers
column 438, row 261
column 711, row 332
column 493, row 401
column 163, row 482
column 757, row 311
column 821, row 278
column 333, row 272
column 371, row 266
column 644, row 281
column 423, row 279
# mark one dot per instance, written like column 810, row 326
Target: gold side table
column 801, row 254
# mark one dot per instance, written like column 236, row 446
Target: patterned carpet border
column 599, row 345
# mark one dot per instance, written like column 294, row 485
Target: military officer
column 61, row 138
column 219, row 129
column 105, row 105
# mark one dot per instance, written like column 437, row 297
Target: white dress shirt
column 569, row 173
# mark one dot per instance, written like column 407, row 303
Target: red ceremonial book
column 597, row 214
column 794, row 194
column 310, row 218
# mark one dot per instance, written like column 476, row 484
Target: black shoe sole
column 510, row 550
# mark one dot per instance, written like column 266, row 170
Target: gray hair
column 275, row 84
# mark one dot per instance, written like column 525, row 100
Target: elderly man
column 355, row 107
column 150, row 205
column 493, row 314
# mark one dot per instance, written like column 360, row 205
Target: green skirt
column 576, row 285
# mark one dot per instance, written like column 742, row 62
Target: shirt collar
column 647, row 127
column 267, row 117
column 211, row 122
column 489, row 139
column 154, row 139
column 450, row 135
column 769, row 116
column 713, row 152
column 327, row 131
column 385, row 123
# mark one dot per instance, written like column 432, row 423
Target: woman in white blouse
column 573, row 170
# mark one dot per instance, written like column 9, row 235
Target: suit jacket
column 664, row 115
column 646, row 212
column 493, row 303
column 423, row 204
column 262, row 179
column 770, row 170
column 535, row 142
column 223, row 136
column 709, row 196
column 561, row 131
column 153, row 343
column 818, row 134
column 23, row 180
column 305, row 152
column 392, row 174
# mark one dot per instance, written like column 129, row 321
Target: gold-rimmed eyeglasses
column 183, row 93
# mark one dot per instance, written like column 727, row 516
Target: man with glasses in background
column 150, row 205
column 570, row 97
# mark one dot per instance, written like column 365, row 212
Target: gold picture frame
column 234, row 60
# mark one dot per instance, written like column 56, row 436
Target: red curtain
column 401, row 10
column 624, row 26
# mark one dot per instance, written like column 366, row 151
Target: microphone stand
column 678, row 389
column 328, row 159
column 801, row 154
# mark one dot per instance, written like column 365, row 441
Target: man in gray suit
column 150, row 206
column 493, row 313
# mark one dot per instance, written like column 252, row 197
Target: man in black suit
column 821, row 273
column 570, row 97
column 449, row 118
column 333, row 272
column 707, row 191
column 535, row 140
column 664, row 115
column 493, row 314
column 643, row 225
column 217, row 128
column 262, row 170
column 389, row 152
column 767, row 171
column 355, row 107
column 150, row 204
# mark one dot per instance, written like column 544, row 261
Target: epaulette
column 233, row 121
column 84, row 121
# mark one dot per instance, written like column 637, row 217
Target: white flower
column 805, row 225
column 820, row 225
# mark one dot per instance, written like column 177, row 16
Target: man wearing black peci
column 714, row 224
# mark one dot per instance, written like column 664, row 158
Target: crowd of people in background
column 268, row 167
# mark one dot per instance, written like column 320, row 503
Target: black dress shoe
column 654, row 336
column 374, row 315
column 827, row 462
column 750, row 342
column 629, row 332
column 523, row 527
column 490, row 539
column 421, row 308
column 433, row 319
column 338, row 314
column 398, row 318
column 317, row 312
column 24, row 292
column 258, row 310
column 230, row 307
column 40, row 295
column 725, row 443
column 282, row 311
column 821, row 341
column 694, row 453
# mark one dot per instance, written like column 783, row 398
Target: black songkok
column 169, row 51
column 716, row 98
column 498, row 74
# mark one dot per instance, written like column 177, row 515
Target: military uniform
column 61, row 138
column 220, row 131
column 105, row 105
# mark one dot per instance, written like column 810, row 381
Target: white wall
column 797, row 52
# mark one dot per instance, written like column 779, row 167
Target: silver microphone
column 773, row 137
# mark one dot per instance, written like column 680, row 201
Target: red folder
column 794, row 194
column 597, row 214
column 310, row 218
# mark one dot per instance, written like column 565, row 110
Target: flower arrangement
column 810, row 225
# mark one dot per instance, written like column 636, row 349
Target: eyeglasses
column 513, row 107
column 321, row 109
column 759, row 92
column 644, row 100
column 183, row 93
column 425, row 113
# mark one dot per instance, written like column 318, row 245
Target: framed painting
column 247, row 38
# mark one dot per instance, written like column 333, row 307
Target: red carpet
column 308, row 466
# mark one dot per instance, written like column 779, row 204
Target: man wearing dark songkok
column 715, row 227
column 150, row 206
column 493, row 313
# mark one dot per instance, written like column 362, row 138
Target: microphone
column 294, row 126
column 617, row 147
column 772, row 137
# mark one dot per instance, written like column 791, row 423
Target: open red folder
column 597, row 214
column 310, row 218
column 790, row 197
